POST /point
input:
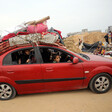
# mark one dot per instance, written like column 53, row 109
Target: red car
column 28, row 69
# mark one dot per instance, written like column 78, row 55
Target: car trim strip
column 48, row 80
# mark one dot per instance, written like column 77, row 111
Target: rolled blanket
column 25, row 39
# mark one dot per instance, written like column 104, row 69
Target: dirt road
column 69, row 101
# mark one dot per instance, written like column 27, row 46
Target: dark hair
column 54, row 56
column 27, row 50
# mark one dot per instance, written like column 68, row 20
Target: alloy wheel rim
column 102, row 83
column 5, row 91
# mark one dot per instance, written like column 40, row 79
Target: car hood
column 98, row 58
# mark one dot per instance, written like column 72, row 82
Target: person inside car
column 56, row 58
column 25, row 57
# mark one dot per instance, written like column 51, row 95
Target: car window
column 84, row 56
column 52, row 55
column 80, row 55
column 21, row 56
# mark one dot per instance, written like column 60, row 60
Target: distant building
column 83, row 31
column 75, row 33
column 94, row 31
column 109, row 28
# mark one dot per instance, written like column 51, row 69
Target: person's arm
column 19, row 62
column 28, row 60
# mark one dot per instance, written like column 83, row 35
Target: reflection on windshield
column 80, row 55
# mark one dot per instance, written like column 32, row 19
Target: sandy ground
column 68, row 101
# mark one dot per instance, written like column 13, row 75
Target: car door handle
column 10, row 71
column 49, row 69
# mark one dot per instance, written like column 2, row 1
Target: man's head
column 27, row 52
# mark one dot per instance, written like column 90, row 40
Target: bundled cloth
column 39, row 28
column 10, row 35
column 37, row 37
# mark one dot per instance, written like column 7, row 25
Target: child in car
column 56, row 58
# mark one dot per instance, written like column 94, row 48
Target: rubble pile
column 94, row 37
column 72, row 42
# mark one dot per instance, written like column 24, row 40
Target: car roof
column 25, row 46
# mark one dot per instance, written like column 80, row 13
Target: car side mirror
column 75, row 60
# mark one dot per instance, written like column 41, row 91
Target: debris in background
column 72, row 42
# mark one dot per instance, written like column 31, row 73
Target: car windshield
column 84, row 56
column 80, row 55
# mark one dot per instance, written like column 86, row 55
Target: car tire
column 7, row 91
column 100, row 83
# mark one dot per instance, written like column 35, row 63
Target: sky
column 65, row 15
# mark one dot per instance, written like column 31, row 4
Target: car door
column 63, row 75
column 26, row 76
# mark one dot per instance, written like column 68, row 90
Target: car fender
column 4, row 79
column 97, row 70
column 101, row 69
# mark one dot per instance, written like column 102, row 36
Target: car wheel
column 7, row 91
column 100, row 83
